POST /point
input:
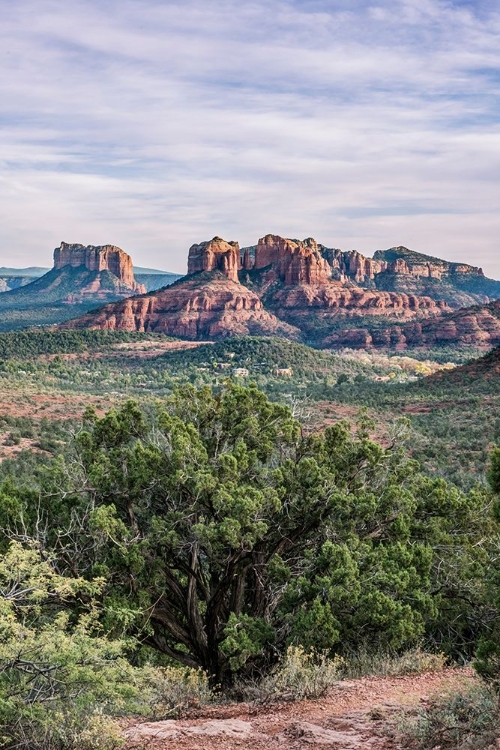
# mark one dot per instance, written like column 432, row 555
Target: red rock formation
column 215, row 255
column 214, row 308
column 99, row 258
column 477, row 327
column 334, row 296
column 400, row 260
column 295, row 262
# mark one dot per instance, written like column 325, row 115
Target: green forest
column 195, row 533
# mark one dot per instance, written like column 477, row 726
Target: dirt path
column 353, row 716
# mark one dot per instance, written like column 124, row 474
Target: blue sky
column 153, row 125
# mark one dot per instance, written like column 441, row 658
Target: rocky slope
column 204, row 305
column 300, row 288
column 477, row 326
column 80, row 273
column 458, row 284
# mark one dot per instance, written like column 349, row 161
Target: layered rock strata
column 99, row 258
column 212, row 306
column 477, row 327
column 215, row 255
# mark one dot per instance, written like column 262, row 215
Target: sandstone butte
column 99, row 258
column 282, row 287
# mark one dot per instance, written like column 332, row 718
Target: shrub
column 177, row 689
column 299, row 675
column 60, row 678
column 466, row 720
column 414, row 661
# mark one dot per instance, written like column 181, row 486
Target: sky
column 154, row 124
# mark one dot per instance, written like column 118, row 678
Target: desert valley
column 323, row 417
column 250, row 405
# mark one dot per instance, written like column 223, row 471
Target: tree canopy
column 224, row 534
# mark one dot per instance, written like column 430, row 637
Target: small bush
column 416, row 661
column 468, row 720
column 299, row 675
column 58, row 729
column 176, row 689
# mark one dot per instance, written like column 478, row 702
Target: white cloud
column 154, row 125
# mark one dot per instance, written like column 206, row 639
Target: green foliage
column 487, row 661
column 466, row 720
column 59, row 674
column 25, row 344
column 224, row 535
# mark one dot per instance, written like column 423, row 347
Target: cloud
column 155, row 125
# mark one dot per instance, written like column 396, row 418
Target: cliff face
column 477, row 326
column 297, row 288
column 397, row 270
column 208, row 306
column 294, row 262
column 215, row 255
column 81, row 275
column 99, row 258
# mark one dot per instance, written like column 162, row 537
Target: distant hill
column 152, row 279
column 151, row 271
column 302, row 290
column 457, row 284
column 485, row 368
column 82, row 277
column 13, row 278
column 32, row 271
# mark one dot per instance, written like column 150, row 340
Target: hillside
column 483, row 372
column 81, row 278
column 458, row 284
column 13, row 278
column 477, row 326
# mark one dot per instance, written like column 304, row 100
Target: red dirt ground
column 353, row 716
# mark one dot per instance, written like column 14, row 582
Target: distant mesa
column 80, row 275
column 99, row 258
column 298, row 289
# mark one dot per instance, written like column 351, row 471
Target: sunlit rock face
column 215, row 255
column 99, row 258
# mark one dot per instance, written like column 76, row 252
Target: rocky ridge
column 99, row 258
column 205, row 305
column 298, row 289
column 397, row 270
column 477, row 326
